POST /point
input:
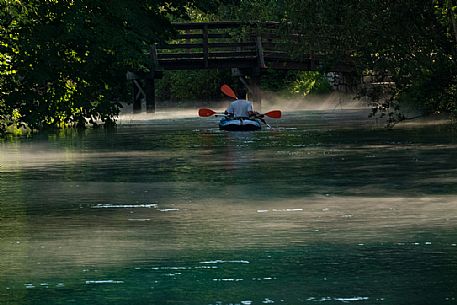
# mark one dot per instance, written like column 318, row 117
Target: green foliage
column 176, row 86
column 412, row 43
column 278, row 80
column 191, row 85
column 72, row 58
column 63, row 63
column 310, row 82
column 260, row 10
column 295, row 82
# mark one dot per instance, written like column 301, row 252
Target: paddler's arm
column 255, row 114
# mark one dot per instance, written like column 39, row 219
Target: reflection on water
column 326, row 207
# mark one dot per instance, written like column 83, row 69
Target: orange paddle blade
column 228, row 91
column 205, row 112
column 275, row 114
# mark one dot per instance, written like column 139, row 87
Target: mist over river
column 327, row 207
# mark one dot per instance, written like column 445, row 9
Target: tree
column 64, row 62
column 411, row 42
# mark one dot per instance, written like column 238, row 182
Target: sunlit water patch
column 326, row 207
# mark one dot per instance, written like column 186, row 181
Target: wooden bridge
column 246, row 48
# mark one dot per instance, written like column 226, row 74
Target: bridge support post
column 253, row 89
column 149, row 82
column 138, row 95
column 150, row 95
column 144, row 91
column 256, row 93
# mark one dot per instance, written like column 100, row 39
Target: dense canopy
column 63, row 62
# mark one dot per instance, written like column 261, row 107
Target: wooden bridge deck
column 219, row 45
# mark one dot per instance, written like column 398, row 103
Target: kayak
column 240, row 124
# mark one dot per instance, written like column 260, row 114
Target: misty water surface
column 327, row 207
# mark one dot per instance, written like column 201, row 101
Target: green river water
column 325, row 208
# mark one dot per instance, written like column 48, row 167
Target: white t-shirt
column 240, row 108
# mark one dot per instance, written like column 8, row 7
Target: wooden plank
column 213, row 63
column 166, row 46
column 200, row 36
column 214, row 54
column 277, row 55
column 231, row 44
column 244, row 53
column 180, row 55
column 205, row 45
column 210, row 25
column 234, row 45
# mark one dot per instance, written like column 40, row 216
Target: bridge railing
column 206, row 45
column 229, row 44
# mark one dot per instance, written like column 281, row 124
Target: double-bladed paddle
column 228, row 91
column 206, row 112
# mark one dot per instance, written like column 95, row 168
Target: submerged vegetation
column 63, row 63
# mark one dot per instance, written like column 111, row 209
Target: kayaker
column 241, row 108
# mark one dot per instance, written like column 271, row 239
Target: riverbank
column 330, row 103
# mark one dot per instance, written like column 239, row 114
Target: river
column 327, row 207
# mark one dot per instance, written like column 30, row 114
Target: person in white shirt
column 240, row 108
